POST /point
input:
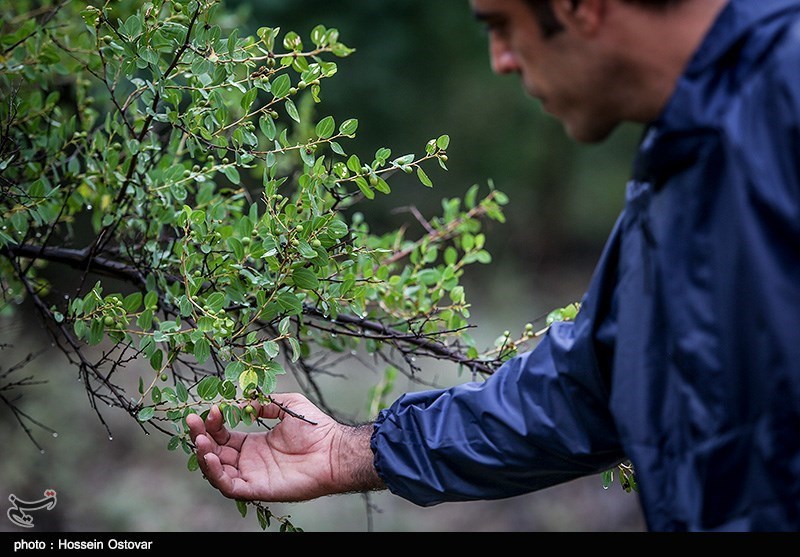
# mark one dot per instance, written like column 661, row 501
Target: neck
column 666, row 42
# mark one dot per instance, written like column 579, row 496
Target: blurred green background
column 420, row 69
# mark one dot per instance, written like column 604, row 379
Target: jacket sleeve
column 540, row 420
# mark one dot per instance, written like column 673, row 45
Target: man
column 685, row 356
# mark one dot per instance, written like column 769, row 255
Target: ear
column 582, row 16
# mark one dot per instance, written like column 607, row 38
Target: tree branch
column 82, row 260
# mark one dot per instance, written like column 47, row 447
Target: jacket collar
column 734, row 22
column 675, row 140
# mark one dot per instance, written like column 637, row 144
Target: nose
column 504, row 61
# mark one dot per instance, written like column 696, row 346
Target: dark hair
column 551, row 25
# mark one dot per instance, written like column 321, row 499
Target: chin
column 589, row 133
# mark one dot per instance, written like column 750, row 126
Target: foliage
column 178, row 208
column 186, row 166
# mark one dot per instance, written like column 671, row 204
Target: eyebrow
column 490, row 20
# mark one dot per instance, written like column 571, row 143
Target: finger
column 215, row 426
column 212, row 464
column 196, row 426
column 215, row 473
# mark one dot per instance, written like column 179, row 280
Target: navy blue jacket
column 685, row 356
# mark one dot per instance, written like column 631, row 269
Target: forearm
column 519, row 431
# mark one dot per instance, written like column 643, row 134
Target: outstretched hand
column 296, row 460
column 290, row 462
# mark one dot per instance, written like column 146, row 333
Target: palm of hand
column 290, row 462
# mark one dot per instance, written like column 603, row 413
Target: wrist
column 353, row 460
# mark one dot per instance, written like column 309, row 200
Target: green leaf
column 281, row 85
column 382, row 155
column 233, row 370
column 248, row 98
column 325, row 127
column 151, row 300
column 181, row 392
column 336, row 148
column 80, row 328
column 354, row 163
column 90, row 15
column 267, row 125
column 208, row 388
column 268, row 382
column 337, row 229
column 146, row 413
column 382, row 186
column 215, row 301
column 308, row 156
column 469, row 198
column 295, row 349
column 274, row 368
column 305, row 249
column 290, row 303
column 236, row 247
column 242, row 506
column 424, row 177
column 305, row 278
column 271, row 348
column 232, row 42
column 227, row 389
column 168, row 394
column 362, row 184
column 348, row 127
column 145, row 320
column 232, row 174
column 132, row 26
column 318, row 34
column 443, row 142
column 96, row 331
column 291, row 110
column 202, row 350
column 197, row 217
column 263, row 520
column 192, row 464
column 450, row 255
column 248, row 378
column 232, row 415
column 156, row 359
column 185, row 306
